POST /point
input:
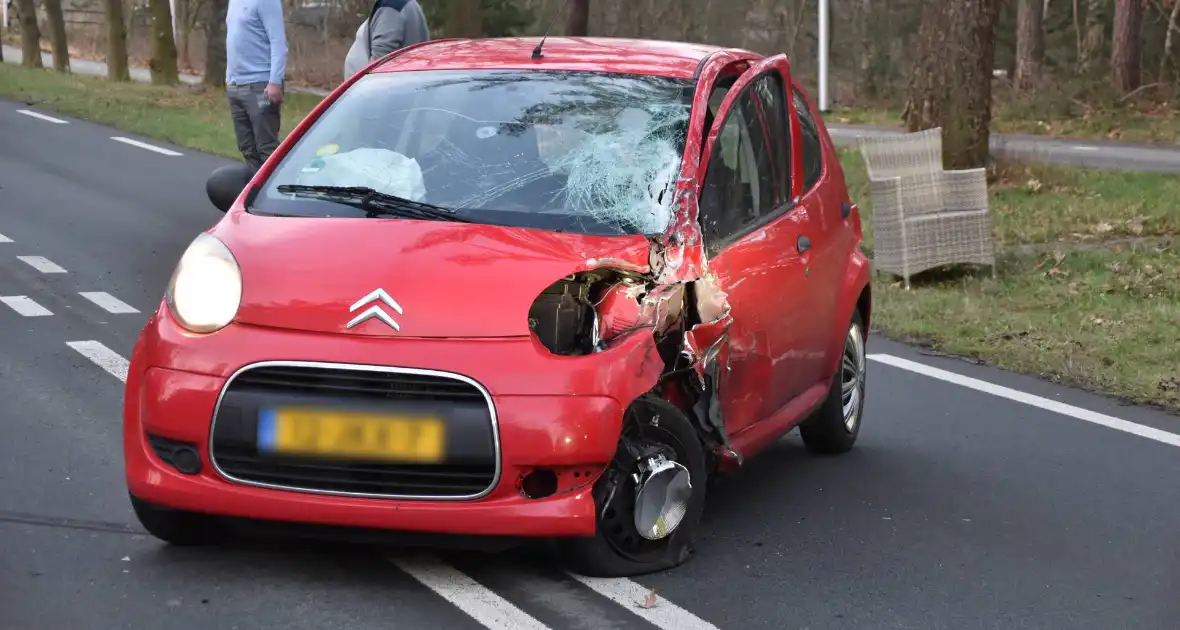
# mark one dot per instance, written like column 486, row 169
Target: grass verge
column 1089, row 286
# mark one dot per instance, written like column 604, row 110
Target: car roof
column 594, row 54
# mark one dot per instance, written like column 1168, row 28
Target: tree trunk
column 57, row 35
column 1030, row 43
column 464, row 18
column 577, row 21
column 182, row 35
column 117, row 68
column 1169, row 56
column 1126, row 51
column 163, row 63
column 1094, row 39
column 215, row 43
column 950, row 83
column 30, row 35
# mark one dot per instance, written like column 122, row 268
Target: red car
column 503, row 289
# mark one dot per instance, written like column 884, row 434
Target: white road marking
column 144, row 145
column 1084, row 147
column 5, row 239
column 474, row 599
column 108, row 302
column 25, row 305
column 628, row 594
column 42, row 264
column 103, row 357
column 1112, row 422
column 42, row 117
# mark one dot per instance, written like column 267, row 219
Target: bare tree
column 1030, row 42
column 163, row 63
column 57, row 35
column 1126, row 51
column 464, row 18
column 951, row 79
column 117, row 67
column 1169, row 57
column 215, row 43
column 30, row 35
column 1093, row 36
column 577, row 21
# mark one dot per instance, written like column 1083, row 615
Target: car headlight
column 206, row 288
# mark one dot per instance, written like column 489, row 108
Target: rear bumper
column 176, row 379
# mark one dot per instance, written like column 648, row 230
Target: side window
column 813, row 159
column 737, row 187
column 771, row 92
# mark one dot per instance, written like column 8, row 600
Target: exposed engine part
column 663, row 490
column 566, row 317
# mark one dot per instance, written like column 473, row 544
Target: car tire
column 607, row 553
column 177, row 527
column 834, row 427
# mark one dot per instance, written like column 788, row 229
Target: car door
column 822, row 202
column 750, row 227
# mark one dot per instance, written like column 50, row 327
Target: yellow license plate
column 346, row 435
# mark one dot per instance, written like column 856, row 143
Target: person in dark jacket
column 392, row 24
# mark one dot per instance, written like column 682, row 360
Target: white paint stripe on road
column 474, row 599
column 1112, row 422
column 1084, row 147
column 108, row 302
column 42, row 117
column 628, row 594
column 103, row 357
column 42, row 264
column 25, row 305
column 144, row 145
column 5, row 239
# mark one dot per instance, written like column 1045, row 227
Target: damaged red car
column 509, row 290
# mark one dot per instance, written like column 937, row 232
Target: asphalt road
column 1002, row 502
column 1103, row 154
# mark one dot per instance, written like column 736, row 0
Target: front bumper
column 558, row 413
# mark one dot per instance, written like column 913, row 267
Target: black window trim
column 785, row 208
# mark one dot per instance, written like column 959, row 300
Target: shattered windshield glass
column 584, row 152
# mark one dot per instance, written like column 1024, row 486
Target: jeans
column 256, row 122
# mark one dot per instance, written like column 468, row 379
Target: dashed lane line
column 108, row 302
column 1086, row 415
column 476, row 600
column 42, row 117
column 103, row 357
column 5, row 239
column 628, row 594
column 25, row 306
column 144, row 145
column 42, row 264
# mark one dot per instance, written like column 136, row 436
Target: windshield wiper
column 375, row 203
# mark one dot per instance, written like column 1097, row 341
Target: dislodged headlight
column 206, row 288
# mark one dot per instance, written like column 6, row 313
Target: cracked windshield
column 584, row 152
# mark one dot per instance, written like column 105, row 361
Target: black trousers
column 256, row 121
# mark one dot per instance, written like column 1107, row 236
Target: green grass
column 1069, row 303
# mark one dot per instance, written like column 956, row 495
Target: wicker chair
column 923, row 216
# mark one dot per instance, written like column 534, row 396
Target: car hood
column 448, row 279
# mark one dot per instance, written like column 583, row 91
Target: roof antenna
column 537, row 51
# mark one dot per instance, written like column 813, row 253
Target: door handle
column 803, row 243
column 845, row 210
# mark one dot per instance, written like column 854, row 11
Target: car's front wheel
column 649, row 500
column 176, row 527
column 835, row 426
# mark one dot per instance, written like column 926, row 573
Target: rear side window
column 813, row 158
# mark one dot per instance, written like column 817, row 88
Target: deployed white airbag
column 382, row 170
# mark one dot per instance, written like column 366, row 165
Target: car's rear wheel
column 833, row 428
column 659, row 446
column 177, row 527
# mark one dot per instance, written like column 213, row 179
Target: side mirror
column 226, row 183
